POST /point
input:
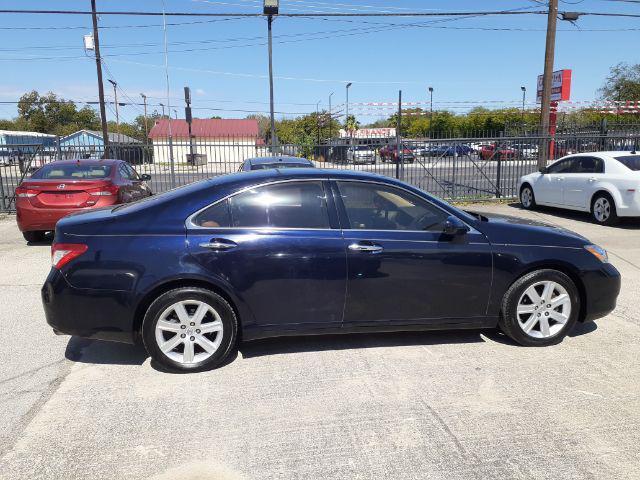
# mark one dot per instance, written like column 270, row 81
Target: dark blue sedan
column 308, row 251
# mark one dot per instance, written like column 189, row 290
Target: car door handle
column 219, row 244
column 365, row 247
column 560, row 179
column 592, row 179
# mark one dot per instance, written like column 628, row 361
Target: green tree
column 623, row 83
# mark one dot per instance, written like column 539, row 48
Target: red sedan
column 494, row 152
column 60, row 188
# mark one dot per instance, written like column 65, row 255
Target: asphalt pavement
column 437, row 405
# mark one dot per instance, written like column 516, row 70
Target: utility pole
column 146, row 127
column 103, row 113
column 162, row 105
column 189, row 119
column 318, row 119
column 115, row 97
column 547, row 81
column 270, row 8
column 175, row 113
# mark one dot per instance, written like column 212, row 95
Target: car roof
column 277, row 159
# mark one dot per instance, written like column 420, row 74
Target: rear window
column 267, row 166
column 632, row 162
column 72, row 172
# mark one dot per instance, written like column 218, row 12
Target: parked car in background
column 497, row 152
column 389, row 153
column 8, row 157
column 420, row 150
column 67, row 186
column 527, row 150
column 606, row 184
column 294, row 252
column 361, row 154
column 450, row 150
column 278, row 161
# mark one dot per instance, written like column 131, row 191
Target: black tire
column 531, row 205
column 604, row 216
column 510, row 324
column 166, row 300
column 34, row 236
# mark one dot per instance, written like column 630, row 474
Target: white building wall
column 216, row 150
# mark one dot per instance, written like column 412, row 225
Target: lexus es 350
column 308, row 251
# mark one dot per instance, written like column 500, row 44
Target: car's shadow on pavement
column 627, row 223
column 46, row 241
column 318, row 343
column 97, row 352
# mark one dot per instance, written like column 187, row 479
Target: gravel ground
column 440, row 405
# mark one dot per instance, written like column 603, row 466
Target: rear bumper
column 601, row 290
column 88, row 313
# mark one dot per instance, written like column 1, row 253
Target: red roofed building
column 220, row 140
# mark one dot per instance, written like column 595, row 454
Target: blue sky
column 467, row 61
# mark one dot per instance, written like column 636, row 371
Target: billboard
column 369, row 133
column 560, row 86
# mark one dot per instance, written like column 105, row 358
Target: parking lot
column 441, row 405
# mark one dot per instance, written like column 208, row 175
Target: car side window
column 563, row 166
column 589, row 165
column 124, row 173
column 378, row 207
column 217, row 215
column 132, row 173
column 284, row 205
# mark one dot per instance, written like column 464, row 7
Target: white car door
column 548, row 188
column 579, row 184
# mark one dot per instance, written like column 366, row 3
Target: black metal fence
column 454, row 168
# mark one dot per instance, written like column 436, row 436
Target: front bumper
column 601, row 291
column 85, row 312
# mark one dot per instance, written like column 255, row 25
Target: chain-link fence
column 454, row 168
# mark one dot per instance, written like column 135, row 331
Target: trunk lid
column 63, row 193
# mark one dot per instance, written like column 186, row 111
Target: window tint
column 132, row 173
column 563, row 166
column 285, row 205
column 588, row 165
column 72, row 172
column 124, row 172
column 632, row 162
column 377, row 207
column 217, row 215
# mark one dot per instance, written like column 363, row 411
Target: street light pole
column 346, row 118
column 430, row 109
column 162, row 105
column 318, row 119
column 115, row 98
column 524, row 97
column 175, row 113
column 146, row 127
column 330, row 115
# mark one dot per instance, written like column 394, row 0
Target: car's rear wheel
column 34, row 235
column 189, row 329
column 603, row 209
column 540, row 308
column 527, row 198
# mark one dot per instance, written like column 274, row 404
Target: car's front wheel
column 603, row 209
column 527, row 198
column 540, row 308
column 189, row 329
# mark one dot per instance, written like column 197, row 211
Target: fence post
column 499, row 171
column 399, row 159
column 3, row 205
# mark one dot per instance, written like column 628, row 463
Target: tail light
column 63, row 253
column 23, row 192
column 106, row 191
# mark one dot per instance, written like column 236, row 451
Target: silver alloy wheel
column 543, row 309
column 189, row 331
column 602, row 209
column 526, row 196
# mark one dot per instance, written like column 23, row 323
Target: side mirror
column 145, row 177
column 543, row 170
column 453, row 226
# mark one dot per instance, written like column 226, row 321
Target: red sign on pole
column 560, row 86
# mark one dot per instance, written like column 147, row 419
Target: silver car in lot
column 361, row 154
